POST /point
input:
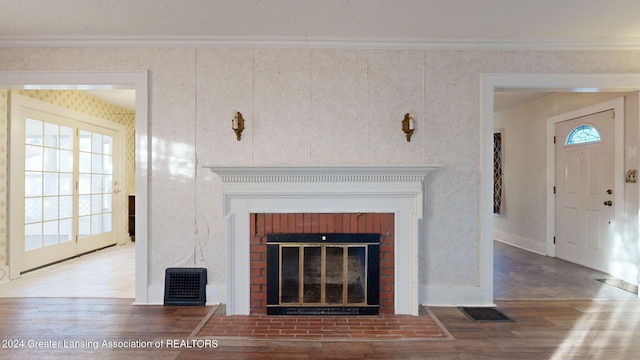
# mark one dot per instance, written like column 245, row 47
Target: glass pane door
column 48, row 184
column 95, row 183
column 68, row 189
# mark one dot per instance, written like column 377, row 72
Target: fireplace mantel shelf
column 322, row 173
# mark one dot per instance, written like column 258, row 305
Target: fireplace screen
column 334, row 273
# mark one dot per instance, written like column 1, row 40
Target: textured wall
column 311, row 107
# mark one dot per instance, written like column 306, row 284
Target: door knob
column 608, row 203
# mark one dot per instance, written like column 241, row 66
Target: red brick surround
column 313, row 223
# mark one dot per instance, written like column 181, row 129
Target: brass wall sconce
column 408, row 125
column 237, row 124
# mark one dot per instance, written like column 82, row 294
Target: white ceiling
column 496, row 24
column 122, row 97
column 372, row 19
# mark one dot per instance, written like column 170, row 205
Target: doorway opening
column 542, row 84
column 134, row 83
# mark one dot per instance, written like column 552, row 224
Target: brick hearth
column 314, row 223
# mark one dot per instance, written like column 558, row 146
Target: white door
column 585, row 189
column 67, row 201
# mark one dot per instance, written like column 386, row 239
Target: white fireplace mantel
column 323, row 189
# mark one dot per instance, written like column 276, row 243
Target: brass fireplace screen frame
column 358, row 296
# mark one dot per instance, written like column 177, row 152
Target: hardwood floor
column 107, row 273
column 605, row 326
column 524, row 275
column 111, row 328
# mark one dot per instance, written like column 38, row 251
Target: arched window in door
column 582, row 134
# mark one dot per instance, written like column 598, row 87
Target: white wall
column 523, row 222
column 313, row 106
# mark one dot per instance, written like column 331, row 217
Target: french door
column 68, row 201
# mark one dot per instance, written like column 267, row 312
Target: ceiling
column 444, row 20
column 122, row 97
column 447, row 24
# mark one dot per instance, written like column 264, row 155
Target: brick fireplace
column 264, row 224
column 258, row 199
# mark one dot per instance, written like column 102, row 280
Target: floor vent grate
column 621, row 284
column 484, row 314
column 185, row 286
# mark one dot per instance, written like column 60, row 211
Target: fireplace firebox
column 323, row 274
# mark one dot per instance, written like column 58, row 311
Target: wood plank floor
column 560, row 312
column 105, row 273
column 112, row 328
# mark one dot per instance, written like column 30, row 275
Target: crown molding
column 88, row 41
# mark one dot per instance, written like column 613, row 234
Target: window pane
column 84, row 184
column 497, row 173
column 66, row 138
column 33, row 158
column 51, row 208
column 96, row 204
column 51, row 233
column 85, row 163
column 33, row 132
column 66, row 161
column 84, row 226
column 96, row 143
column 66, row 184
column 66, row 206
column 66, row 230
column 33, row 236
column 106, row 185
column 96, row 184
column 51, row 134
column 85, row 141
column 106, row 203
column 33, row 183
column 32, row 210
column 84, row 208
column 50, row 184
column 96, row 224
column 583, row 134
column 107, row 145
column 51, row 159
column 96, row 165
column 106, row 223
column 107, row 165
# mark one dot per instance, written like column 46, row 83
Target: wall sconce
column 237, row 124
column 408, row 125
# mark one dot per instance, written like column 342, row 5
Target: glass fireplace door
column 318, row 274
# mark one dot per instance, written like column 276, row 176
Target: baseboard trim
column 453, row 296
column 522, row 242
